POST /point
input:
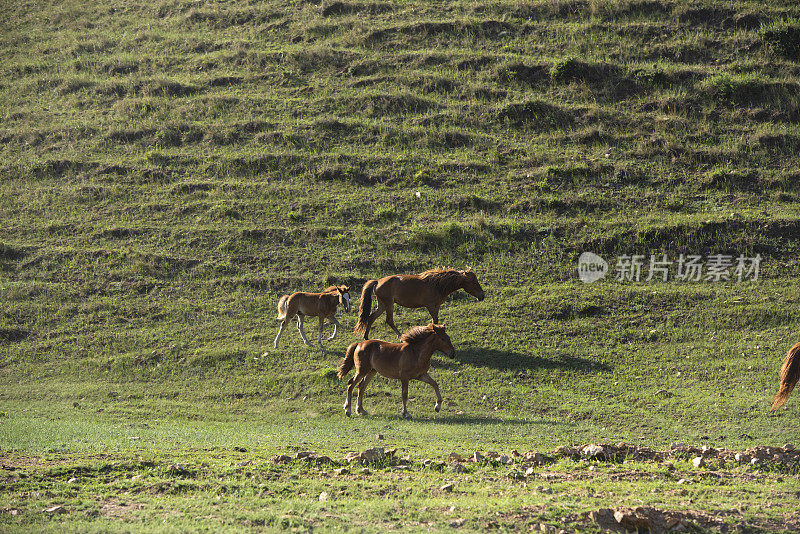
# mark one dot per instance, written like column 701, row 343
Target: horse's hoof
column 407, row 416
column 437, row 407
column 347, row 413
column 361, row 411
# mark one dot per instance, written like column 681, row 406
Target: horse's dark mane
column 417, row 334
column 444, row 280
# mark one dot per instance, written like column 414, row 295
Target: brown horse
column 322, row 305
column 408, row 360
column 790, row 374
column 425, row 290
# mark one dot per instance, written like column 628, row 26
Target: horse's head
column 344, row 296
column 471, row 284
column 442, row 341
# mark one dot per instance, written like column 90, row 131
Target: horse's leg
column 434, row 311
column 321, row 326
column 336, row 326
column 390, row 317
column 300, row 328
column 428, row 380
column 280, row 331
column 374, row 317
column 361, row 388
column 404, row 382
column 349, row 397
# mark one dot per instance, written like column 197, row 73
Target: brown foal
column 408, row 360
column 322, row 305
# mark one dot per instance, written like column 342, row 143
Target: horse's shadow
column 484, row 420
column 510, row 361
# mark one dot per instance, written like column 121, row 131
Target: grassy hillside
column 169, row 169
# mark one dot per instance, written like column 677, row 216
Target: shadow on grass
column 482, row 420
column 509, row 361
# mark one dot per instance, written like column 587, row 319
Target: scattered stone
column 373, row 455
column 134, row 478
column 324, row 496
column 709, row 452
column 72, row 480
column 365, row 471
column 55, row 510
column 742, row 458
column 529, row 472
column 539, row 458
column 788, row 447
column 515, row 453
column 323, row 460
column 457, row 468
column 455, row 457
column 238, row 449
column 379, row 436
column 352, row 456
column 342, row 471
column 604, row 518
column 505, row 460
column 493, row 455
column 594, row 451
column 642, row 519
column 456, row 523
column 477, row 457
column 447, row 488
column 699, row 462
column 306, row 455
column 566, row 451
column 281, row 459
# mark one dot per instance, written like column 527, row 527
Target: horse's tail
column 283, row 302
column 348, row 362
column 365, row 307
column 790, row 374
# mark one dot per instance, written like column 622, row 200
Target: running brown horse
column 322, row 305
column 408, row 360
column 425, row 290
column 790, row 374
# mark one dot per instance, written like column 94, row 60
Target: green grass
column 169, row 169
